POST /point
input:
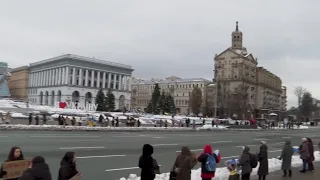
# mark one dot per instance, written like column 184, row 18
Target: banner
column 15, row 169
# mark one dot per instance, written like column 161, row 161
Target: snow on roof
column 168, row 81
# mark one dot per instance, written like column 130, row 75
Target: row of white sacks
column 223, row 173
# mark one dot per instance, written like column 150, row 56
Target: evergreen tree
column 110, row 101
column 155, row 99
column 307, row 105
column 172, row 105
column 196, row 101
column 161, row 106
column 100, row 101
column 149, row 108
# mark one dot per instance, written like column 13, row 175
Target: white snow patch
column 223, row 173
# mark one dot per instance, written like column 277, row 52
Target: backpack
column 253, row 160
column 211, row 163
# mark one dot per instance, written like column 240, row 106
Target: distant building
column 18, row 83
column 4, row 74
column 235, row 68
column 179, row 88
column 71, row 78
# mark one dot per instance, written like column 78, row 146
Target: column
column 57, row 76
column 109, row 80
column 66, row 81
column 114, row 81
column 92, row 78
column 129, row 83
column 124, row 83
column 87, row 78
column 104, row 80
column 37, row 79
column 63, row 75
column 98, row 80
column 120, row 82
column 49, row 77
column 73, row 76
column 43, row 78
column 80, row 77
column 47, row 81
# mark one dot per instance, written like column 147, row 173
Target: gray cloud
column 163, row 38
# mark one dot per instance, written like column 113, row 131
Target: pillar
column 120, row 82
column 67, row 75
column 98, row 80
column 87, row 78
column 73, row 81
column 104, row 80
column 92, row 78
column 80, row 77
column 114, row 81
column 109, row 80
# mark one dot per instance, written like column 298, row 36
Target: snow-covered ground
column 223, row 174
column 98, row 128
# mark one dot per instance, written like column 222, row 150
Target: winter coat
column 39, row 171
column 147, row 163
column 263, row 161
column 286, row 156
column 67, row 170
column 234, row 177
column 183, row 164
column 203, row 159
column 304, row 151
column 244, row 161
column 311, row 150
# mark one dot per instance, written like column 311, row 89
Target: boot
column 284, row 173
column 290, row 173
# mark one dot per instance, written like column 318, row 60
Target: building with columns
column 72, row 78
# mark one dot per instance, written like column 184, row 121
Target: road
column 102, row 155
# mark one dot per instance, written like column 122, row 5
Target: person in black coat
column 39, row 170
column 14, row 155
column 37, row 119
column 30, row 118
column 147, row 164
column 68, row 167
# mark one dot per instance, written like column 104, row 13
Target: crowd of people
column 182, row 166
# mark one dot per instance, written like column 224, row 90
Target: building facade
column 4, row 77
column 179, row 88
column 71, row 78
column 19, row 83
column 236, row 68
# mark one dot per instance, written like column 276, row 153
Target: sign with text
column 75, row 105
column 15, row 169
column 77, row 176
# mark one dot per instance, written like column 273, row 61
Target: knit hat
column 304, row 139
column 263, row 142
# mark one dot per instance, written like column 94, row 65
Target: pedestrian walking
column 263, row 170
column 37, row 119
column 44, row 119
column 30, row 118
column 304, row 154
column 15, row 154
column 286, row 157
column 208, row 161
column 311, row 155
column 183, row 164
column 147, row 164
column 245, row 163
column 39, row 170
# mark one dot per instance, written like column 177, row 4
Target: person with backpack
column 247, row 161
column 263, row 170
column 208, row 161
column 183, row 164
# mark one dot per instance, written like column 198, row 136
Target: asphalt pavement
column 103, row 155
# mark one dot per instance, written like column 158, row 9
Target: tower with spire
column 236, row 38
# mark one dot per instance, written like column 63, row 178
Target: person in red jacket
column 207, row 151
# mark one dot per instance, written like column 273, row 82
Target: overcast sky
column 167, row 37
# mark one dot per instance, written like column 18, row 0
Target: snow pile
column 209, row 127
column 294, row 127
column 98, row 128
column 223, row 173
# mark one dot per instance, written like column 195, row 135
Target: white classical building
column 71, row 78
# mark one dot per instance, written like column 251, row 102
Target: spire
column 237, row 28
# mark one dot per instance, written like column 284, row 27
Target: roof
column 168, row 81
column 4, row 88
column 19, row 69
column 81, row 58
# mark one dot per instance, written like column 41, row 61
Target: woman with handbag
column 185, row 161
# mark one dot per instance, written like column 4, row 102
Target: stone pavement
column 296, row 175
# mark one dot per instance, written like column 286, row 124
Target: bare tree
column 238, row 101
column 299, row 91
